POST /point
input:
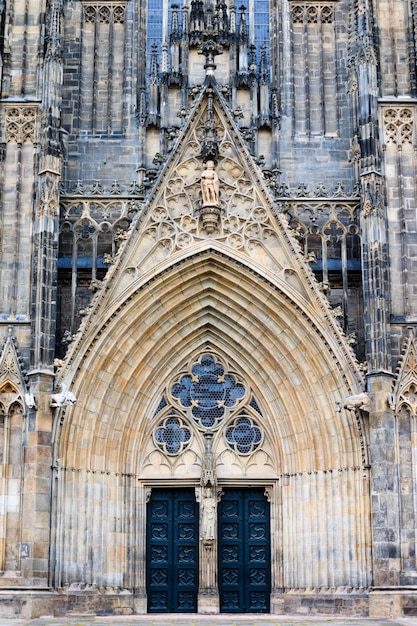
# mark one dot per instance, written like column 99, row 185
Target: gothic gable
column 176, row 220
column 12, row 384
column 405, row 395
column 240, row 222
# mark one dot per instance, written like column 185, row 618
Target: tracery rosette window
column 243, row 435
column 208, row 395
column 172, row 435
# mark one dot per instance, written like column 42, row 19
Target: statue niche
column 210, row 185
column 209, row 210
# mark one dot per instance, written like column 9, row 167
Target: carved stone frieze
column 312, row 13
column 49, row 196
column 399, row 125
column 21, row 124
column 104, row 13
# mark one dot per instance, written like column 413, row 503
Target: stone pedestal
column 208, row 595
column 392, row 603
column 209, row 217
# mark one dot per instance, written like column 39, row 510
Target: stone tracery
column 208, row 394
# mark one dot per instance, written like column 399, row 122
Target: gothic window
column 158, row 25
column 258, row 21
column 207, row 395
column 243, row 435
column 102, row 69
column 91, row 232
column 208, row 392
column 172, row 435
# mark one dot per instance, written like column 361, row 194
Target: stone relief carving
column 399, row 125
column 262, row 461
column 157, row 464
column 175, row 223
column 63, row 398
column 21, row 124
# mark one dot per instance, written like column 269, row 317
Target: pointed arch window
column 207, row 396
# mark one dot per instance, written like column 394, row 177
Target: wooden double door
column 244, row 562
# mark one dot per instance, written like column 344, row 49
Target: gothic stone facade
column 208, row 306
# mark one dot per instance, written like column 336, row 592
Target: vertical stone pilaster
column 208, row 593
column 375, row 265
column 384, row 485
column 37, row 485
column 45, row 234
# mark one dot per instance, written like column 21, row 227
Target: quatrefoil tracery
column 207, row 396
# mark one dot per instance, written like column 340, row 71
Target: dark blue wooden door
column 244, row 551
column 172, row 551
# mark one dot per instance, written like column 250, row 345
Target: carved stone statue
column 360, row 401
column 208, row 515
column 64, row 398
column 210, row 185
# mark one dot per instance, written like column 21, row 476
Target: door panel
column 172, row 551
column 244, row 552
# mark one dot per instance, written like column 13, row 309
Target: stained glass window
column 172, row 435
column 205, row 395
column 243, row 435
column 208, row 391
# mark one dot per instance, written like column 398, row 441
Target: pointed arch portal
column 311, row 460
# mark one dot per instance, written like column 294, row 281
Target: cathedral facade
column 208, row 309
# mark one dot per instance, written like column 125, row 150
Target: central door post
column 206, row 495
column 208, row 595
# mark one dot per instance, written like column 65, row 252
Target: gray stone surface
column 201, row 620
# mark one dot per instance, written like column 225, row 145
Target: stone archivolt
column 173, row 288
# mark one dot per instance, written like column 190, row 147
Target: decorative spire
column 185, row 23
column 153, row 114
column 263, row 67
column 210, row 148
column 264, row 112
column 175, row 29
column 196, row 22
column 210, row 46
column 221, row 22
column 243, row 40
column 175, row 41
